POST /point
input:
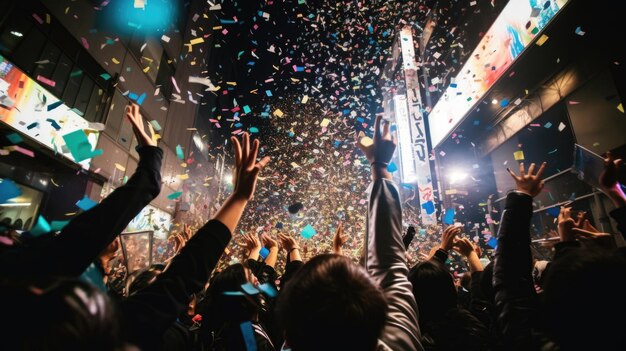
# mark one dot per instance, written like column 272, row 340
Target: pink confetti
column 85, row 43
column 23, row 151
column 36, row 17
column 175, row 85
column 46, row 81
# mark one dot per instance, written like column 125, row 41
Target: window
column 164, row 78
column 45, row 51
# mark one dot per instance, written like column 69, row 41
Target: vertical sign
column 405, row 143
column 417, row 128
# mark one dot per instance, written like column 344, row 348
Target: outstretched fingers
column 237, row 147
column 377, row 134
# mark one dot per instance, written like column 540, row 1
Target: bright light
column 16, row 204
column 228, row 179
column 17, row 34
column 494, row 101
column 457, row 176
column 405, row 145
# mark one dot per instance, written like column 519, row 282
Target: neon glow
column 517, row 26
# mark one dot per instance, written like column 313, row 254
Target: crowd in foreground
column 328, row 302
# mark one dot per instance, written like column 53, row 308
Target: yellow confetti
column 294, row 165
column 115, row 61
column 367, row 141
column 278, row 113
column 217, row 27
column 305, row 99
column 120, row 167
column 183, row 176
column 231, row 83
column 196, row 41
column 70, row 213
column 48, row 19
column 518, row 155
column 145, row 70
column 542, row 40
column 184, row 165
column 325, row 122
column 620, row 107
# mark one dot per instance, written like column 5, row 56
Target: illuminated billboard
column 405, row 145
column 519, row 23
column 28, row 107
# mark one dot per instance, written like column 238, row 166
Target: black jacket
column 516, row 299
column 81, row 241
column 149, row 312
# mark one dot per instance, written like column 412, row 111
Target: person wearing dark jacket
column 84, row 318
column 151, row 311
column 81, row 241
column 583, row 287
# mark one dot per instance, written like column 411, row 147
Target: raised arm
column 82, row 240
column 613, row 189
column 385, row 257
column 149, row 312
column 339, row 240
column 512, row 273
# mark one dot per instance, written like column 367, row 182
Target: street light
column 457, row 176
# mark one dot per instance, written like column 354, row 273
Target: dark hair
column 332, row 304
column 434, row 290
column 57, row 314
column 217, row 308
column 141, row 279
column 583, row 292
column 458, row 329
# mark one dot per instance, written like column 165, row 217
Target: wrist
column 235, row 197
column 380, row 173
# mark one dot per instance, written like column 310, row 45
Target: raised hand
column 530, row 183
column 463, row 246
column 592, row 234
column 136, row 120
column 609, row 183
column 246, row 167
column 608, row 178
column 339, row 239
column 447, row 238
column 565, row 224
column 287, row 242
column 268, row 242
column 379, row 152
column 251, row 243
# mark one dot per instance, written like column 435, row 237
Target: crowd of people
column 281, row 296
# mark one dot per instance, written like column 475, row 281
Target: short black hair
column 332, row 304
column 433, row 288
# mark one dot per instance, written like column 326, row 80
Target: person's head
column 141, row 279
column 458, row 329
column 331, row 303
column 57, row 314
column 584, row 297
column 433, row 288
column 218, row 308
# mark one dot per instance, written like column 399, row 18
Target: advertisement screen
column 520, row 22
column 151, row 219
column 26, row 106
